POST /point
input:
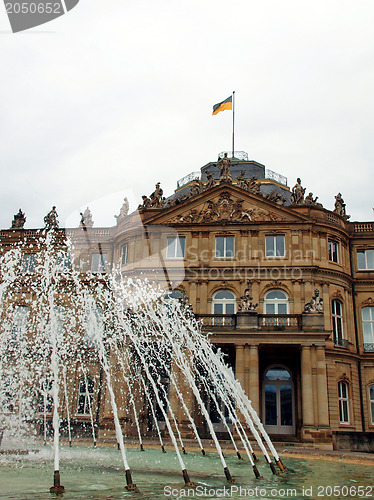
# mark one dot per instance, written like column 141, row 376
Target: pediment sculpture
column 226, row 209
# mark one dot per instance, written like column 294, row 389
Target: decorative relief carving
column 368, row 302
column 227, row 209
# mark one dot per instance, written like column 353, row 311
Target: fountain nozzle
column 130, row 486
column 57, row 488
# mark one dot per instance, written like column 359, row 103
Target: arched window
column 337, row 323
column 276, row 302
column 343, row 402
column 371, row 402
column 224, row 302
column 368, row 327
column 85, row 396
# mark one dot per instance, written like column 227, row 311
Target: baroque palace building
column 284, row 286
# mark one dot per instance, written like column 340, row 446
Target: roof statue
column 224, row 168
column 51, row 219
column 253, row 186
column 315, row 306
column 276, row 197
column 210, row 181
column 19, row 220
column 340, row 206
column 86, row 218
column 197, row 188
column 297, row 195
column 123, row 212
column 309, row 200
column 241, row 181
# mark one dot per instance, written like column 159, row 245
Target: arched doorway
column 278, row 401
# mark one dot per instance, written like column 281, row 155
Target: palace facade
column 284, row 286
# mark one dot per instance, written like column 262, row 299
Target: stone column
column 239, row 364
column 323, row 412
column 246, row 368
column 307, row 387
column 254, row 382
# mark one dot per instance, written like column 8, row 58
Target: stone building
column 284, row 285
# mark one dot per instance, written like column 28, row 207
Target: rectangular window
column 368, row 327
column 333, row 251
column 175, row 247
column 275, row 246
column 337, row 323
column 63, row 261
column 343, row 403
column 85, row 397
column 225, row 246
column 99, row 262
column 365, row 259
column 28, row 262
column 371, row 396
column 20, row 317
column 124, row 254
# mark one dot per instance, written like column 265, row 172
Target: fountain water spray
column 152, row 340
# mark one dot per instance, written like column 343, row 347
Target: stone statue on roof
column 123, row 212
column 297, row 195
column 224, row 168
column 339, row 205
column 19, row 220
column 210, row 181
column 86, row 219
column 51, row 219
column 156, row 197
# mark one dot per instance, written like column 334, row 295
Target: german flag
column 221, row 106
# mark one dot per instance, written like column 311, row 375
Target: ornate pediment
column 226, row 208
column 223, row 203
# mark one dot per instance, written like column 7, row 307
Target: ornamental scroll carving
column 227, row 209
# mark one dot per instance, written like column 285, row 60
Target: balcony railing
column 341, row 343
column 218, row 320
column 369, row 347
column 280, row 321
column 273, row 322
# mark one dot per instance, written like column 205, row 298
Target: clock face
column 26, row 15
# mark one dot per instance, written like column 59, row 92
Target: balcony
column 368, row 347
column 341, row 343
column 269, row 322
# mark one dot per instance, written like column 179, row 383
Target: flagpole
column 233, row 122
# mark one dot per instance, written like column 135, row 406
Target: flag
column 221, row 106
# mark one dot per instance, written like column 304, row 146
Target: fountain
column 53, row 320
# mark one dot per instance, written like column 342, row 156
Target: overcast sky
column 115, row 96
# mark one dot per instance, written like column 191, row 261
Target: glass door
column 278, row 402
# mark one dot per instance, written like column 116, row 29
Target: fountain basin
column 98, row 473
